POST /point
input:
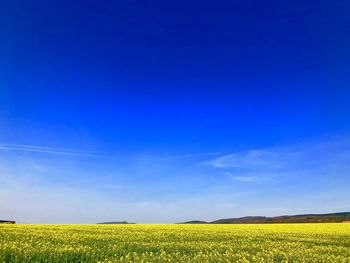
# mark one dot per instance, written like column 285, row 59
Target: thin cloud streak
column 62, row 151
column 256, row 159
column 324, row 157
column 49, row 150
column 245, row 179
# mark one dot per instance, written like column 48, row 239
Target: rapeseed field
column 176, row 243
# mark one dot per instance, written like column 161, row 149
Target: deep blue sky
column 163, row 106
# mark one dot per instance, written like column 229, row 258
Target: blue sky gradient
column 173, row 110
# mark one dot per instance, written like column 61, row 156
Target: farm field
column 176, row 243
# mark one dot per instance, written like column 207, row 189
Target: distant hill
column 195, row 222
column 246, row 219
column 117, row 222
column 305, row 218
column 7, row 222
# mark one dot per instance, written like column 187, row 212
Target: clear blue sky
column 166, row 111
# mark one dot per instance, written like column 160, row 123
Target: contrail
column 41, row 149
column 64, row 151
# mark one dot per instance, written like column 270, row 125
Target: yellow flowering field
column 175, row 243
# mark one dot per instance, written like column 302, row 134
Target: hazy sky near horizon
column 167, row 111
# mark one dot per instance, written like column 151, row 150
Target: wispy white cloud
column 117, row 186
column 48, row 150
column 65, row 151
column 251, row 177
column 323, row 157
column 273, row 158
column 200, row 154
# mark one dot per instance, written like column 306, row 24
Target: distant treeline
column 116, row 222
column 306, row 218
column 7, row 222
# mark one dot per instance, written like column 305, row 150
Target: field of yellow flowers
column 175, row 243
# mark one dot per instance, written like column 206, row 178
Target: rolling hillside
column 305, row 218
